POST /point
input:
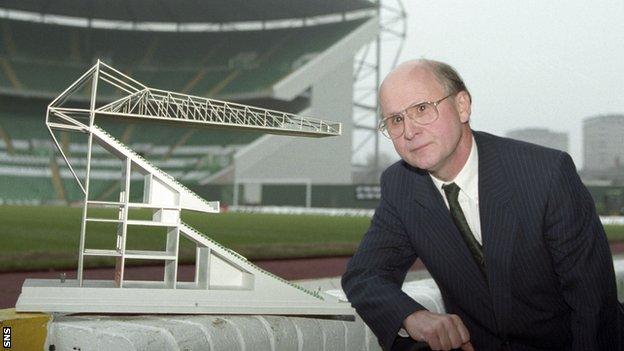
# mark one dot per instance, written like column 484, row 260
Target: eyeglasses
column 422, row 113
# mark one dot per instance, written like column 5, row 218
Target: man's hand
column 440, row 331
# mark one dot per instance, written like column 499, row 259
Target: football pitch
column 43, row 237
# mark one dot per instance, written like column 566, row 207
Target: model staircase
column 188, row 199
column 203, row 240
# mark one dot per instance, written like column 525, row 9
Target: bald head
column 443, row 73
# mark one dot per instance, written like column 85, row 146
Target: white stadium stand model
column 225, row 282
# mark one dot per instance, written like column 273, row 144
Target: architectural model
column 225, row 282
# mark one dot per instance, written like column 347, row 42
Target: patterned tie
column 452, row 193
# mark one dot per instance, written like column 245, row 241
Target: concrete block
column 282, row 331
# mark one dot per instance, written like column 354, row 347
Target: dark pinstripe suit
column 550, row 283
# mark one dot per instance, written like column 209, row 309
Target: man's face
column 430, row 147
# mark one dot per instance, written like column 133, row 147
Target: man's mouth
column 417, row 148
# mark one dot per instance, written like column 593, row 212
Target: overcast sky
column 527, row 63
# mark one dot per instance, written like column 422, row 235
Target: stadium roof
column 187, row 11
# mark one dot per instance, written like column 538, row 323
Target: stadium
column 292, row 56
column 310, row 58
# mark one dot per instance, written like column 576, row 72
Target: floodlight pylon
column 225, row 282
column 370, row 65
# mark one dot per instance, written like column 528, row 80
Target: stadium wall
column 310, row 160
column 608, row 200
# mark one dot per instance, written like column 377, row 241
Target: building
column 603, row 143
column 541, row 136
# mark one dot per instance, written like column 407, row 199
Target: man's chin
column 425, row 166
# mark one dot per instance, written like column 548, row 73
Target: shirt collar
column 467, row 179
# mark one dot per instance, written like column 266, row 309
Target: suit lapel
column 498, row 226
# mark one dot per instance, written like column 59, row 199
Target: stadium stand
column 190, row 155
column 39, row 58
column 22, row 119
column 213, row 64
column 31, row 153
column 12, row 188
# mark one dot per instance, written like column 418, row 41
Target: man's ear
column 463, row 105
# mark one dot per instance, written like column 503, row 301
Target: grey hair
column 447, row 76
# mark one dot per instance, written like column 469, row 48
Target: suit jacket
column 550, row 282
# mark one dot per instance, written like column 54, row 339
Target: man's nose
column 410, row 129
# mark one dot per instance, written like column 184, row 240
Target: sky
column 526, row 63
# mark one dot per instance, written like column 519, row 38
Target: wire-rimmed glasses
column 422, row 113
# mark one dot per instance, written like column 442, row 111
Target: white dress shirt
column 468, row 181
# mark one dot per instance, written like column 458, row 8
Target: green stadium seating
column 165, row 79
column 22, row 121
column 26, row 188
column 210, row 63
column 49, row 43
column 47, row 77
column 284, row 54
column 223, row 137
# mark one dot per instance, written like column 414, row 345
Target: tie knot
column 451, row 191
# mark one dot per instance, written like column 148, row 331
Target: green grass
column 615, row 232
column 47, row 237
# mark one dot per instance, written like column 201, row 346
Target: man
column 506, row 229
